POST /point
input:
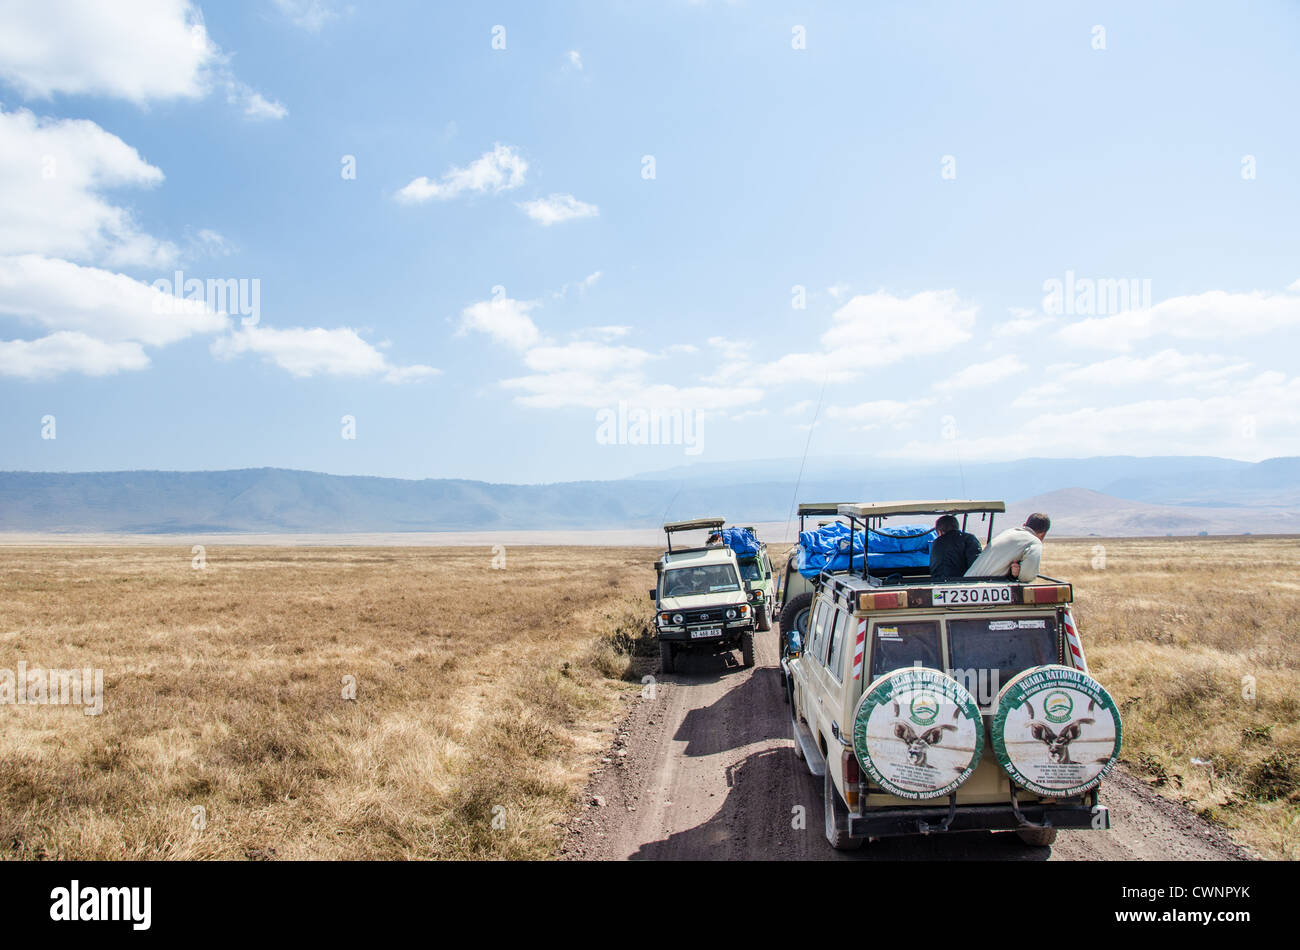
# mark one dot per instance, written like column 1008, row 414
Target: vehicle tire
column 747, row 647
column 837, row 818
column 794, row 616
column 764, row 619
column 665, row 657
column 1037, row 837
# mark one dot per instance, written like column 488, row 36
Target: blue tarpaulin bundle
column 891, row 548
column 740, row 540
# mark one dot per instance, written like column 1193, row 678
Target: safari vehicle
column 963, row 705
column 701, row 600
column 794, row 595
column 756, row 570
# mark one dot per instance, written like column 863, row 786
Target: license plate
column 706, row 632
column 970, row 596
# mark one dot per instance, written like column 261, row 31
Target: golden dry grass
column 1197, row 639
column 480, row 694
column 479, row 688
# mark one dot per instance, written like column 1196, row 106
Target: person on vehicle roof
column 953, row 551
column 1015, row 553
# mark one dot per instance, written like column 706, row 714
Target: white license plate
column 706, row 631
column 971, row 596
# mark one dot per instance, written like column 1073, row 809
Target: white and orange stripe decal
column 859, row 650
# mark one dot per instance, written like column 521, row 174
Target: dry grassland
column 481, row 694
column 1198, row 640
column 488, row 694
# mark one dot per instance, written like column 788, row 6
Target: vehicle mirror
column 652, row 593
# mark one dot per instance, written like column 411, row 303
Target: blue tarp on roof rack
column 891, row 548
column 741, row 540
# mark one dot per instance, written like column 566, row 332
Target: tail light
column 1047, row 594
column 852, row 776
column 882, row 600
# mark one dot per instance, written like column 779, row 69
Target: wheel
column 747, row 647
column 763, row 617
column 665, row 656
column 837, row 818
column 794, row 616
column 1037, row 837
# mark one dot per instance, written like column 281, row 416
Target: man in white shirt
column 1015, row 553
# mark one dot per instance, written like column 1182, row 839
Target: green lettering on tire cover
column 1056, row 731
column 918, row 733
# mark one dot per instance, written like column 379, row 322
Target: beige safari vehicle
column 702, row 600
column 930, row 708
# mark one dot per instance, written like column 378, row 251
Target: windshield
column 706, row 579
column 751, row 570
column 1003, row 645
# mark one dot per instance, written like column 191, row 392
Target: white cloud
column 253, row 103
column 731, row 349
column 590, row 390
column 837, row 290
column 881, row 412
column 554, row 209
column 1207, row 316
column 501, row 169
column 584, row 356
column 68, row 352
column 60, row 295
column 608, row 332
column 582, row 286
column 1167, row 368
column 1254, row 419
column 504, row 319
column 1022, row 321
column 982, row 374
column 309, row 15
column 876, row 330
column 52, row 173
column 798, row 408
column 138, row 50
column 575, row 59
column 313, row 351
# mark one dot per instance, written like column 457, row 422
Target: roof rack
column 710, row 524
column 872, row 513
column 813, row 509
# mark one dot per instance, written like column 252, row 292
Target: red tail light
column 852, row 776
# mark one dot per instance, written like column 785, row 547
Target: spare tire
column 917, row 733
column 1056, row 731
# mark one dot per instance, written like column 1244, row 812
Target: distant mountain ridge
column 1128, row 495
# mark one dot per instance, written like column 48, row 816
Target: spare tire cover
column 1056, row 731
column 917, row 733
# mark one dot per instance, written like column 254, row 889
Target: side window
column 844, row 631
column 835, row 635
column 817, row 629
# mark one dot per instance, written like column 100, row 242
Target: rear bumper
column 889, row 822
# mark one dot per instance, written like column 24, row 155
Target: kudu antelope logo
column 919, row 745
column 1058, row 743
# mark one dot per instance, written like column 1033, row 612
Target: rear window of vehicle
column 1008, row 645
column 897, row 645
column 751, row 570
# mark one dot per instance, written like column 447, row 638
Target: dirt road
column 705, row 769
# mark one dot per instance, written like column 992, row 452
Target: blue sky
column 501, row 270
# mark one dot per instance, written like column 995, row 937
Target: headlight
column 678, row 618
column 731, row 614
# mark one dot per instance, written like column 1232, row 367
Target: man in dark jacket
column 953, row 551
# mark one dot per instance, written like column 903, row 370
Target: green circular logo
column 1058, row 706
column 924, row 709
